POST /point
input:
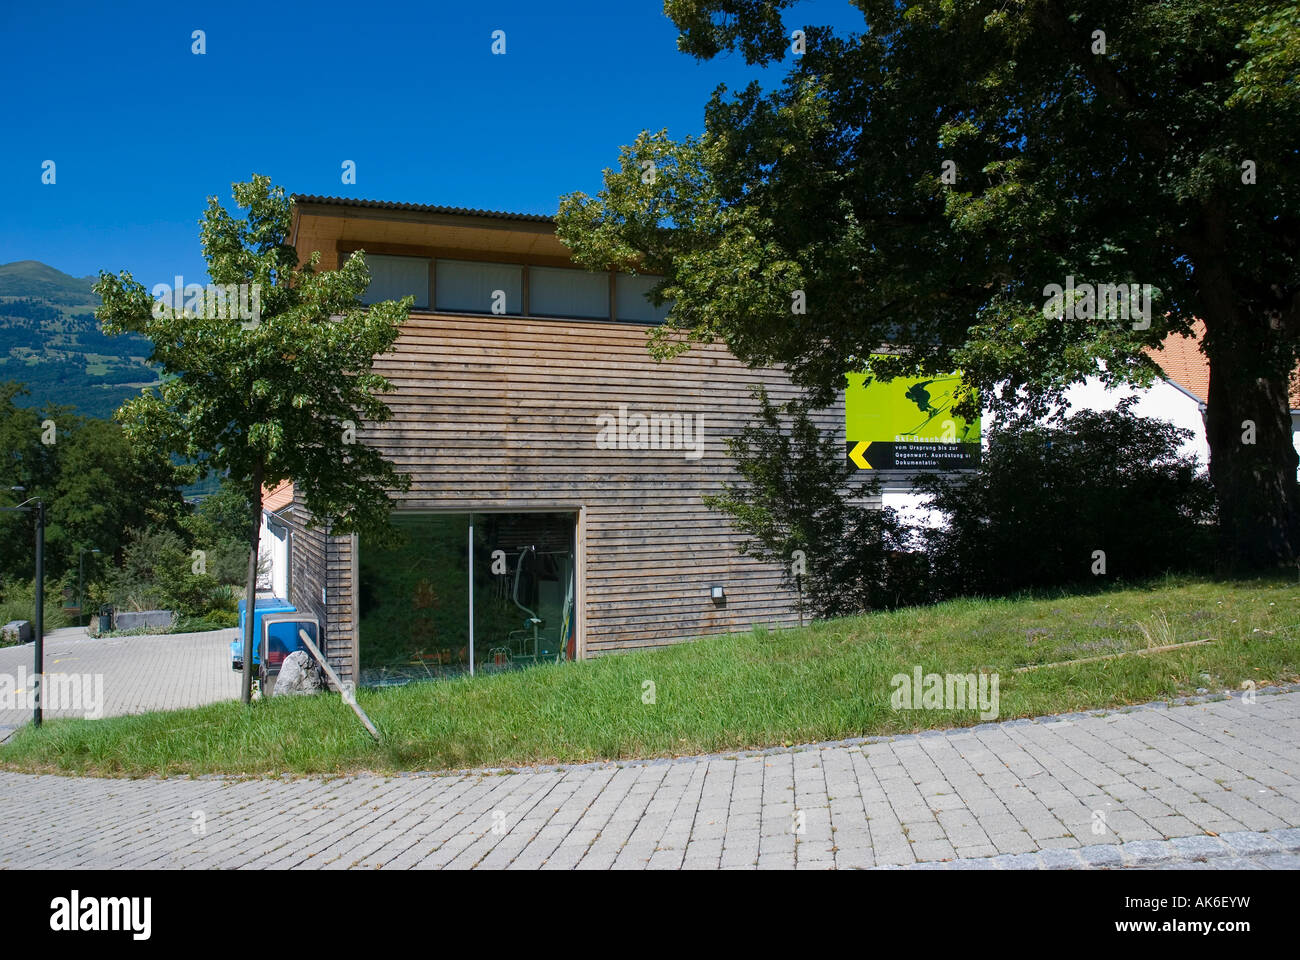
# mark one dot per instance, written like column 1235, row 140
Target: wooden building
column 557, row 469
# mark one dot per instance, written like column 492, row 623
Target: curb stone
column 1228, row 852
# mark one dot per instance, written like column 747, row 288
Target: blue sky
column 142, row 130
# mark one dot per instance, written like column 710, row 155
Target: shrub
column 1047, row 496
column 215, row 620
column 157, row 573
column 798, row 494
column 18, row 602
column 228, row 562
column 1045, row 499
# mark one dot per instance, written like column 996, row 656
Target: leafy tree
column 1048, row 496
column 219, row 527
column 23, row 462
column 222, row 516
column 270, row 400
column 921, row 183
column 106, row 486
column 799, row 506
column 95, row 485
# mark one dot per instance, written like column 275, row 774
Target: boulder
column 16, row 631
column 299, row 673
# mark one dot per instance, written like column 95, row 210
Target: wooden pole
column 334, row 678
column 1141, row 651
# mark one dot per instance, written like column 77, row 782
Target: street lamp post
column 81, row 581
column 38, row 620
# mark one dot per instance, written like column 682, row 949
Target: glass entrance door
column 524, row 588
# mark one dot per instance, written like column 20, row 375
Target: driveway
column 139, row 673
column 1212, row 783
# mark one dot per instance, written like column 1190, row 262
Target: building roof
column 420, row 208
column 277, row 498
column 1179, row 357
column 1184, row 365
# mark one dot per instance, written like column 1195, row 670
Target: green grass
column 827, row 681
column 18, row 602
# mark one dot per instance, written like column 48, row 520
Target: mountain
column 31, row 278
column 51, row 343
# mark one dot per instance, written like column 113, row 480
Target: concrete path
column 1099, row 789
column 139, row 673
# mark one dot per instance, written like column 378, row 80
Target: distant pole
column 39, row 679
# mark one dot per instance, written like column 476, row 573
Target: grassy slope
column 827, row 681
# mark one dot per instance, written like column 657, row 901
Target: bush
column 18, row 602
column 228, row 562
column 1047, row 497
column 1044, row 500
column 798, row 495
column 189, row 595
column 216, row 620
column 157, row 573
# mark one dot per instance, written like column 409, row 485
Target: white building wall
column 910, row 506
column 273, row 559
column 1162, row 400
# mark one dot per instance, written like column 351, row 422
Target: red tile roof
column 1183, row 363
column 277, row 498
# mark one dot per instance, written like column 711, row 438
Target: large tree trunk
column 250, row 588
column 1248, row 426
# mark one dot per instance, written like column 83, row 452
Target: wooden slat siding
column 339, row 607
column 499, row 413
column 306, row 563
column 319, row 560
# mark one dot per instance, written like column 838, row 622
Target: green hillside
column 51, row 342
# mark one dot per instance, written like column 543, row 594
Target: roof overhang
column 329, row 223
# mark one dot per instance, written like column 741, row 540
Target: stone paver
column 1238, row 851
column 1212, row 784
column 140, row 673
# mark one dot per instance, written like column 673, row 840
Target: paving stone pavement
column 1148, row 786
column 1244, row 850
column 140, row 673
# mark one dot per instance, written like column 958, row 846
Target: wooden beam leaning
column 349, row 699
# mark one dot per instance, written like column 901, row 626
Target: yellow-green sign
column 908, row 424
